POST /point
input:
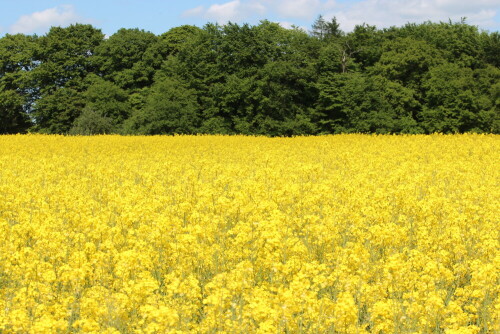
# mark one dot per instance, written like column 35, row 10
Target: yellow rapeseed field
column 205, row 234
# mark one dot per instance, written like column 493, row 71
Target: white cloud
column 286, row 25
column 290, row 25
column 461, row 5
column 229, row 11
column 224, row 12
column 298, row 8
column 385, row 13
column 238, row 10
column 41, row 21
column 381, row 13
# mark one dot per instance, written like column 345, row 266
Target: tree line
column 252, row 79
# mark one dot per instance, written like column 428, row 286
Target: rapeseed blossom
column 203, row 234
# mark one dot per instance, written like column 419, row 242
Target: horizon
column 36, row 17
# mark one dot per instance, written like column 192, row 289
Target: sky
column 158, row 16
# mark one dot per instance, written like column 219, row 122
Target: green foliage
column 56, row 112
column 13, row 119
column 107, row 99
column 491, row 46
column 91, row 122
column 174, row 40
column 330, row 59
column 252, row 79
column 16, row 62
column 458, row 42
column 366, row 43
column 123, row 58
column 358, row 103
column 407, row 61
column 65, row 57
column 454, row 100
column 170, row 108
column 324, row 30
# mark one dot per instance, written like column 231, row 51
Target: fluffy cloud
column 296, row 9
column 225, row 12
column 382, row 13
column 229, row 11
column 290, row 25
column 245, row 9
column 385, row 13
column 41, row 21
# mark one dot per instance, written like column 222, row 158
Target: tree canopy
column 252, row 79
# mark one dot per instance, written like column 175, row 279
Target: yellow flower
column 346, row 234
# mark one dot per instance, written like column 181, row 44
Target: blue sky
column 158, row 16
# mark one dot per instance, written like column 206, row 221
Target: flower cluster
column 204, row 234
